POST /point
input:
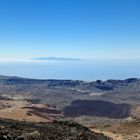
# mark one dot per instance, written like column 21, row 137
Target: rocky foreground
column 13, row 130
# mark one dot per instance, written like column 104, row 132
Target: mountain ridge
column 98, row 85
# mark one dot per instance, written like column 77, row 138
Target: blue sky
column 87, row 29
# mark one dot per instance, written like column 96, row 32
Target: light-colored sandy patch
column 135, row 112
column 96, row 94
column 20, row 114
column 110, row 134
column 15, row 109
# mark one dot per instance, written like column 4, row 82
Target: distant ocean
column 75, row 70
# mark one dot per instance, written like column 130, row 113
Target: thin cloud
column 56, row 59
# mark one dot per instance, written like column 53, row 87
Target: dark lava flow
column 97, row 108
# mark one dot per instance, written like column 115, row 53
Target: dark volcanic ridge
column 87, row 108
column 97, row 108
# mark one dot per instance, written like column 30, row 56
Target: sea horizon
column 85, row 70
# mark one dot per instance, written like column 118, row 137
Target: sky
column 70, row 39
column 84, row 29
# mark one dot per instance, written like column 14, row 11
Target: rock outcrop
column 57, row 130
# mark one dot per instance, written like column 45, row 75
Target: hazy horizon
column 73, row 70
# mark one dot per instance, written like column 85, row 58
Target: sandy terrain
column 110, row 134
column 14, row 109
column 129, row 130
column 18, row 108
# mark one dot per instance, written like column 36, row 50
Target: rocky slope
column 13, row 130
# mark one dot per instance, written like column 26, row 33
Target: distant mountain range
column 132, row 84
